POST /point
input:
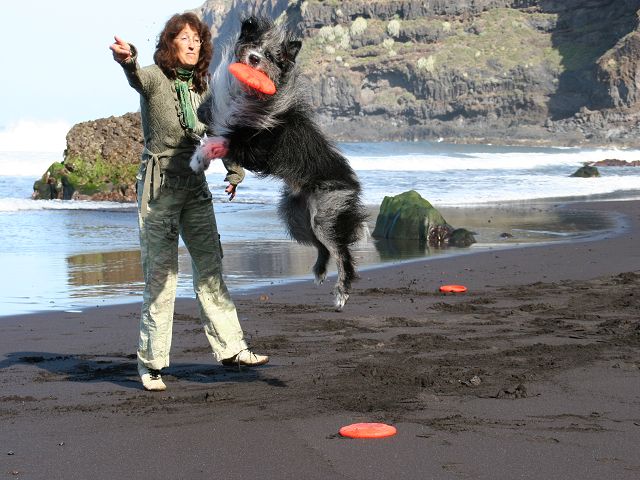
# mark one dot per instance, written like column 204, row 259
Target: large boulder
column 100, row 162
column 408, row 216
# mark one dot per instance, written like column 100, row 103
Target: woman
column 172, row 200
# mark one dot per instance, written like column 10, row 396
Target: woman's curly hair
column 165, row 55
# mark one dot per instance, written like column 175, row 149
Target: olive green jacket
column 164, row 135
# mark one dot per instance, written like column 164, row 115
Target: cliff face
column 619, row 71
column 509, row 71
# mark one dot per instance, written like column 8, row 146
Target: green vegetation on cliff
column 497, row 40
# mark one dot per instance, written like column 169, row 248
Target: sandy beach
column 533, row 373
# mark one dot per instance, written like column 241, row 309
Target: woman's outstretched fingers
column 121, row 49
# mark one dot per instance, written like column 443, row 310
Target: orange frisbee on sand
column 252, row 78
column 368, row 430
column 453, row 288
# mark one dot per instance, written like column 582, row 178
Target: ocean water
column 67, row 255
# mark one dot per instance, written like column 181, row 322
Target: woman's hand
column 121, row 50
column 231, row 191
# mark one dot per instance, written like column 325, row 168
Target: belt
column 154, row 178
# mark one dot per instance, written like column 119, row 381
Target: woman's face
column 187, row 44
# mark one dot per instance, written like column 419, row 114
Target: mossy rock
column 408, row 216
column 80, row 178
column 100, row 162
column 586, row 171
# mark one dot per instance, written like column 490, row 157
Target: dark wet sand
column 533, row 373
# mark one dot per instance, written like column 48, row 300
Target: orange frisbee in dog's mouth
column 252, row 78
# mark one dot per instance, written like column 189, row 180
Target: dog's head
column 267, row 47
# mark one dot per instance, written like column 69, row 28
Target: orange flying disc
column 368, row 430
column 252, row 78
column 453, row 288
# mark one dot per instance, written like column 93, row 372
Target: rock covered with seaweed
column 408, row 216
column 100, row 162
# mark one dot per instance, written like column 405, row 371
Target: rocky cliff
column 504, row 71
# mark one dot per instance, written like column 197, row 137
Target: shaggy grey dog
column 275, row 135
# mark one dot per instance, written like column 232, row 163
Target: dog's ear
column 293, row 48
column 249, row 29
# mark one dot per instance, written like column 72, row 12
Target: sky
column 57, row 69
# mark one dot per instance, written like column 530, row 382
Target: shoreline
column 532, row 373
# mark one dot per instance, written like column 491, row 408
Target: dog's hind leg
column 324, row 217
column 294, row 211
column 346, row 274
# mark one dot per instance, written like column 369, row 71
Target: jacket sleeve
column 139, row 78
column 235, row 173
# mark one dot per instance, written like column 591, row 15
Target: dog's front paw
column 212, row 147
column 199, row 161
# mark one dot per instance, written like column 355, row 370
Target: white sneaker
column 247, row 358
column 151, row 379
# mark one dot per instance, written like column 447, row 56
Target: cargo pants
column 182, row 206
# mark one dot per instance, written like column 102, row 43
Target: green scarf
column 183, row 82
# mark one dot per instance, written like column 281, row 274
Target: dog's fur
column 276, row 136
